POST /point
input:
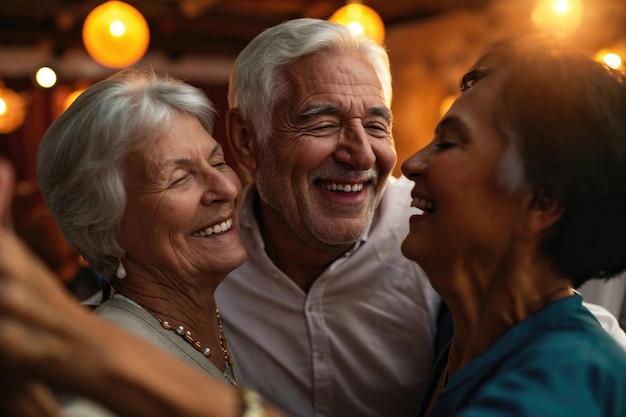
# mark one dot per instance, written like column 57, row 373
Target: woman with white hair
column 141, row 190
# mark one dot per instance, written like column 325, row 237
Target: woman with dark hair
column 522, row 198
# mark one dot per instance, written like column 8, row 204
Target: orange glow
column 71, row 97
column 116, row 34
column 446, row 103
column 610, row 58
column 559, row 17
column 12, row 110
column 361, row 20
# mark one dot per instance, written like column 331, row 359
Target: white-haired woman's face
column 181, row 212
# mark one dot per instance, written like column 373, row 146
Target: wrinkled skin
column 49, row 340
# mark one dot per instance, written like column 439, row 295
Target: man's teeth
column 346, row 188
column 423, row 204
column 218, row 228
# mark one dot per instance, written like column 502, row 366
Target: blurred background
column 430, row 42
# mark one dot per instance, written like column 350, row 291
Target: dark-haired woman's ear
column 542, row 211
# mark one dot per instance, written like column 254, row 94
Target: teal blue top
column 557, row 362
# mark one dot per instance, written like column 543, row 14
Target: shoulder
column 575, row 372
column 577, row 340
column 555, row 382
column 608, row 322
column 559, row 362
column 129, row 317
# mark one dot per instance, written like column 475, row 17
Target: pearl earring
column 121, row 272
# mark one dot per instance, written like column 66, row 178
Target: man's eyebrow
column 315, row 110
column 383, row 112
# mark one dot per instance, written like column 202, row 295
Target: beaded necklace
column 186, row 335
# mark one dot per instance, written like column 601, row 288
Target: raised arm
column 48, row 339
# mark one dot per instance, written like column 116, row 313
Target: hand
column 46, row 337
column 40, row 324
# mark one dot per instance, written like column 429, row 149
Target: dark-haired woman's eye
column 442, row 146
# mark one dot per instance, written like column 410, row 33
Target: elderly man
column 326, row 317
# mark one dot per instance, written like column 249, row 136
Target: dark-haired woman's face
column 462, row 183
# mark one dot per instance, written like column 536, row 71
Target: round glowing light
column 561, row 6
column 361, row 20
column 356, row 28
column 115, row 34
column 611, row 59
column 12, row 110
column 559, row 17
column 46, row 77
column 71, row 97
column 117, row 28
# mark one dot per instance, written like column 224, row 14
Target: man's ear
column 241, row 139
column 542, row 211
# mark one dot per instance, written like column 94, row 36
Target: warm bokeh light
column 12, row 110
column 71, row 97
column 361, row 20
column 610, row 58
column 117, row 28
column 613, row 60
column 446, row 103
column 116, row 34
column 562, row 7
column 558, row 17
column 46, row 77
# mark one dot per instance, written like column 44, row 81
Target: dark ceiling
column 180, row 27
